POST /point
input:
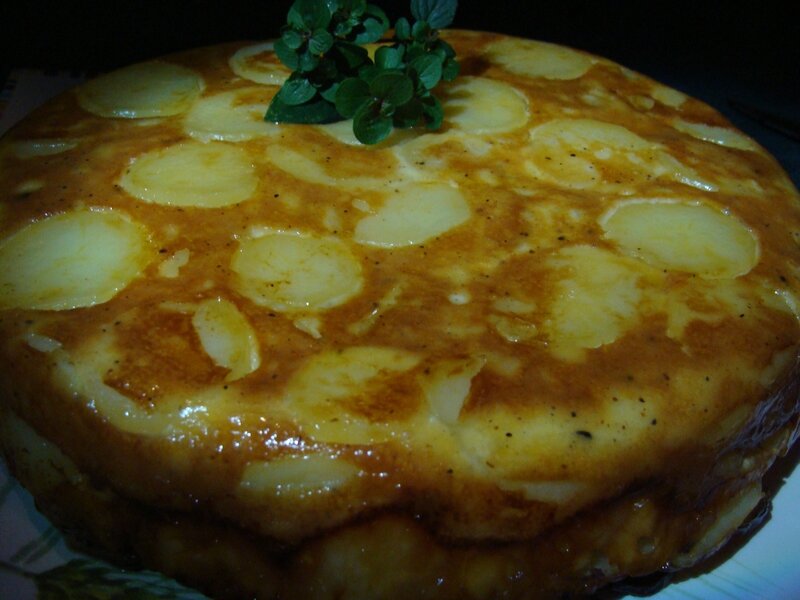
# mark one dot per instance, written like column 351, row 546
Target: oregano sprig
column 321, row 43
column 333, row 77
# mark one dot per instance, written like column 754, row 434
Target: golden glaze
column 545, row 426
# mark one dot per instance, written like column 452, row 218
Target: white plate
column 32, row 552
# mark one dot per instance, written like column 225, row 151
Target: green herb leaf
column 351, row 95
column 320, row 42
column 428, row 69
column 437, row 13
column 292, row 39
column 287, row 55
column 420, row 31
column 389, row 57
column 373, row 30
column 392, row 88
column 334, row 78
column 375, row 25
column 295, row 19
column 433, row 112
column 370, row 126
column 349, row 57
column 450, row 70
column 317, row 111
column 297, row 90
column 329, row 93
column 402, row 29
column 313, row 14
column 408, row 114
column 308, row 62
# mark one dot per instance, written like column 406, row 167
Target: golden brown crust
column 598, row 308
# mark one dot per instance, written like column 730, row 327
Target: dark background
column 757, row 42
column 718, row 51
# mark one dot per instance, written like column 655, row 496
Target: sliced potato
column 191, row 174
column 297, row 475
column 539, row 59
column 596, row 301
column 723, row 136
column 227, row 337
column 143, row 90
column 332, row 397
column 258, row 63
column 479, row 105
column 683, row 236
column 413, row 215
column 233, row 116
column 294, row 272
column 71, row 260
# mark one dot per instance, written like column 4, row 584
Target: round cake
column 548, row 347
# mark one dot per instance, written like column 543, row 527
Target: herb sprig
column 334, row 78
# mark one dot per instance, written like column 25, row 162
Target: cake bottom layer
column 391, row 555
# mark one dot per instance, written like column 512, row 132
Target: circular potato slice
column 480, row 105
column 143, row 90
column 292, row 272
column 71, row 260
column 539, row 59
column 413, row 215
column 684, row 236
column 258, row 63
column 233, row 116
column 191, row 174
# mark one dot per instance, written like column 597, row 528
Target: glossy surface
column 485, row 309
